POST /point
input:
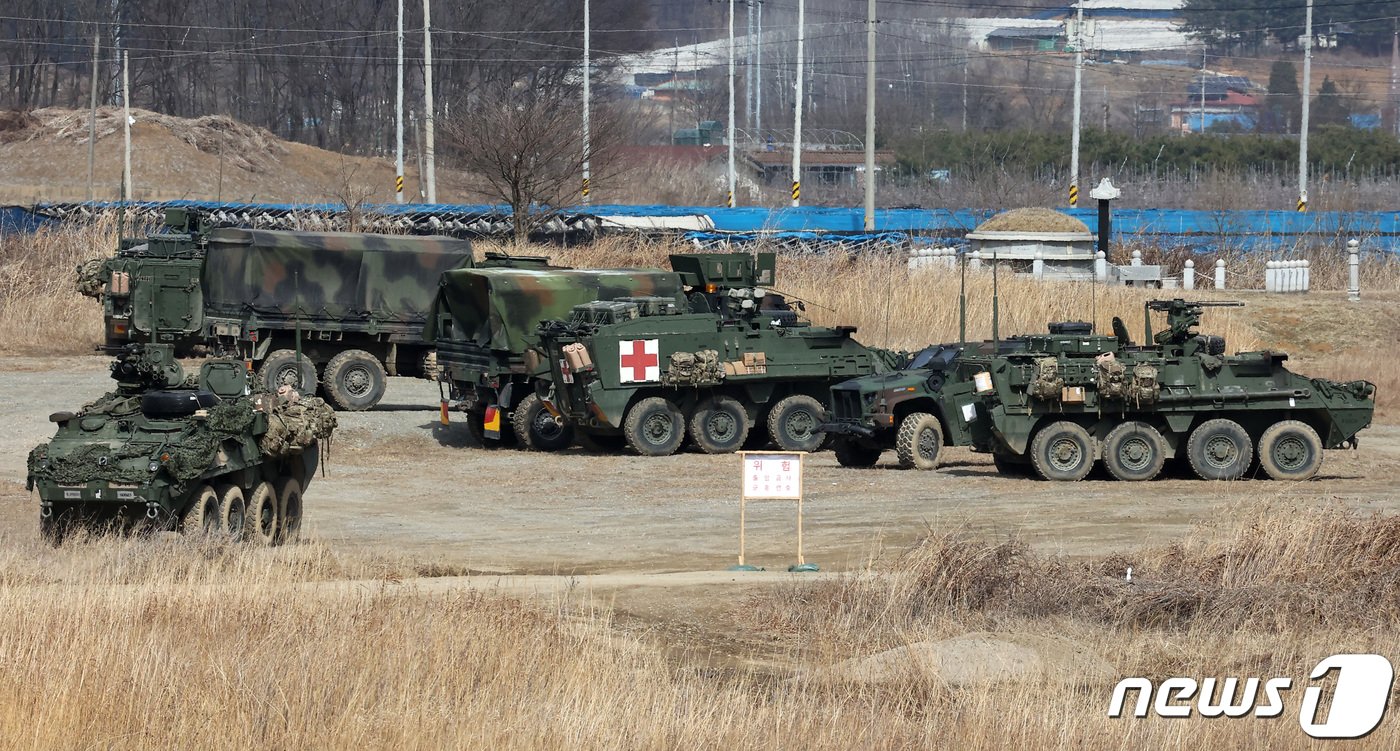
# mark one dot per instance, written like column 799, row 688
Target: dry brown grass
column 41, row 311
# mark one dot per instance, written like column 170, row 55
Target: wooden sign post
column 771, row 475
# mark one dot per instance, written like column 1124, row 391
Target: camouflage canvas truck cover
column 484, row 323
column 208, row 455
column 649, row 372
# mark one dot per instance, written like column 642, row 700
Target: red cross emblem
column 638, row 361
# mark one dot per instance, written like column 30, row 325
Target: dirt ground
column 398, row 482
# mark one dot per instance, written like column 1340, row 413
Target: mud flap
column 491, row 423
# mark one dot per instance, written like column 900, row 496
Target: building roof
column 819, row 158
column 1013, row 32
column 1231, row 99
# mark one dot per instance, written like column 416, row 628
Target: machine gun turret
column 144, row 367
column 1183, row 316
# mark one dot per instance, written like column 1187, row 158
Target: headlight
column 153, row 466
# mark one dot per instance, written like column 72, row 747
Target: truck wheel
column 280, row 369
column 201, row 519
column 354, row 380
column 288, row 511
column 719, row 425
column 852, row 453
column 1290, row 450
column 654, row 427
column 793, row 423
column 260, row 523
column 1219, row 450
column 1063, row 451
column 233, row 512
column 535, row 428
column 918, row 441
column 1134, row 452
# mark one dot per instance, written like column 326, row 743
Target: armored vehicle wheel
column 719, row 425
column 850, row 453
column 537, row 429
column 1014, row 466
column 260, row 523
column 654, row 427
column 354, row 380
column 793, row 423
column 1062, row 451
column 919, row 439
column 201, row 519
column 1219, row 450
column 1134, row 451
column 288, row 510
column 1290, row 450
column 280, row 369
column 601, row 443
column 233, row 512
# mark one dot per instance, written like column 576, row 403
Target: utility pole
column 1307, row 94
column 1105, row 109
column 398, row 118
column 126, row 127
column 1078, row 95
column 92, row 110
column 729, row 197
column 797, row 110
column 1203, row 88
column 758, row 78
column 870, row 116
column 588, row 97
column 1395, row 77
column 965, row 67
column 748, row 67
column 428, row 116
column 675, row 86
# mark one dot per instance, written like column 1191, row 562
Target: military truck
column 484, row 322
column 1059, row 402
column 210, row 456
column 342, row 310
column 732, row 356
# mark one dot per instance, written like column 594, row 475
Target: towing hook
column 152, row 511
column 45, row 510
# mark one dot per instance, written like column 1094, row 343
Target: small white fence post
column 1306, row 283
column 1271, row 274
column 1188, row 275
column 1220, row 274
column 1038, row 265
column 1354, row 270
column 1100, row 266
column 976, row 262
column 1137, row 258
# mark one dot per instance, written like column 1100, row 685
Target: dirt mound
column 1033, row 219
column 15, row 125
column 241, row 146
column 977, row 658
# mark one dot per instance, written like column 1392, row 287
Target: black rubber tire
column 600, row 443
column 854, row 454
column 1134, row 452
column 280, row 368
column 654, row 427
column 1219, row 450
column 535, row 428
column 1012, row 466
column 918, row 441
column 201, row 519
column 289, row 507
column 176, row 402
column 793, row 424
column 233, row 512
column 260, row 523
column 1290, row 450
column 720, row 425
column 354, row 380
column 1063, row 451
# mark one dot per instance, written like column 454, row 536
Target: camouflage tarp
column 344, row 276
column 501, row 308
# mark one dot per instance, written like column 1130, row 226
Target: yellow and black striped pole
column 1073, row 194
column 398, row 186
column 729, row 199
column 587, row 188
column 1302, row 204
column 797, row 190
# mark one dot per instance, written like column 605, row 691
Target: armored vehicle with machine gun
column 731, row 356
column 340, row 310
column 485, row 321
column 1059, row 402
column 209, row 455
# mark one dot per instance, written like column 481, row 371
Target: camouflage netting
column 90, row 277
column 296, row 422
column 1034, row 219
column 95, row 461
column 701, row 368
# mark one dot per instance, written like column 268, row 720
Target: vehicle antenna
column 996, row 336
column 962, row 299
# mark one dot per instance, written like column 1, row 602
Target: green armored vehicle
column 209, row 456
column 1059, row 402
column 358, row 302
column 484, row 323
column 731, row 357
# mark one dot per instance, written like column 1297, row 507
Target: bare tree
column 525, row 144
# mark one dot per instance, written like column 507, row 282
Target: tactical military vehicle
column 209, row 456
column 355, row 303
column 1057, row 403
column 732, row 356
column 484, row 322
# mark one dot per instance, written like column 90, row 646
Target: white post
column 1188, row 275
column 588, row 95
column 1137, row 258
column 126, row 127
column 870, row 117
column 797, row 110
column 729, row 197
column 758, row 79
column 1306, row 283
column 1307, row 94
column 1271, row 276
column 1100, row 266
column 1354, row 270
column 975, row 260
column 428, row 113
column 1038, row 265
column 1078, row 87
column 1220, row 274
column 398, row 116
